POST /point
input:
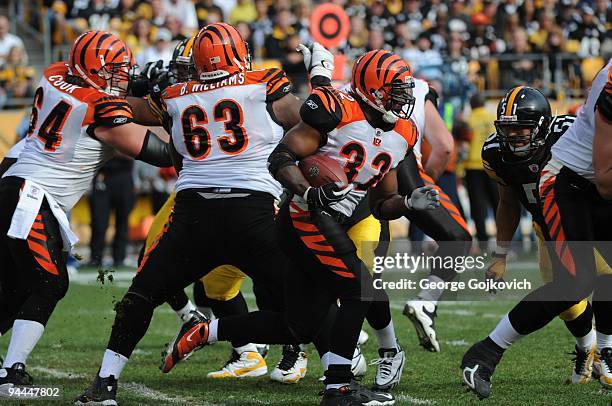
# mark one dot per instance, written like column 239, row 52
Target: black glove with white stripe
column 322, row 196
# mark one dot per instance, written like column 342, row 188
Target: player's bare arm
column 507, row 216
column 143, row 113
column 287, row 111
column 385, row 202
column 137, row 142
column 602, row 155
column 299, row 142
column 440, row 139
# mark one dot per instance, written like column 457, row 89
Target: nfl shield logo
column 534, row 168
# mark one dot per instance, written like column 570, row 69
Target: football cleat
column 605, row 367
column 192, row 336
column 355, row 395
column 363, row 337
column 249, row 364
column 422, row 314
column 583, row 365
column 359, row 364
column 292, row 367
column 13, row 376
column 389, row 370
column 263, row 349
column 477, row 367
column 103, row 391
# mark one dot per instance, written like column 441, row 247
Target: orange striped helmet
column 102, row 61
column 384, row 81
column 220, row 51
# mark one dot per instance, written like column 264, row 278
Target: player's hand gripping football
column 497, row 269
column 317, row 59
column 325, row 195
column 423, row 198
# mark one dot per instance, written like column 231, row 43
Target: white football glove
column 423, row 198
column 317, row 59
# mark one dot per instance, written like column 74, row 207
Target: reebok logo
column 312, row 104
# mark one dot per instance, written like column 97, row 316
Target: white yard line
column 137, row 389
column 152, row 394
column 56, row 373
column 413, row 400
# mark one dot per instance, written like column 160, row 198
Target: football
column 320, row 170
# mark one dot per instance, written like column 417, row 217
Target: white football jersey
column 365, row 153
column 420, row 92
column 226, row 131
column 59, row 154
column 16, row 149
column 575, row 148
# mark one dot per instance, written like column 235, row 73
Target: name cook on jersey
column 453, row 286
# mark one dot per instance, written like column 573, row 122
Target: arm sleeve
column 322, row 110
column 432, row 96
column 111, row 112
column 277, row 85
column 604, row 101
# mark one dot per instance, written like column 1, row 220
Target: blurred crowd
column 485, row 43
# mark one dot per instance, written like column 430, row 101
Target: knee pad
column 132, row 300
column 574, row 312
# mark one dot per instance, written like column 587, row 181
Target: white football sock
column 112, row 364
column 585, row 343
column 207, row 311
column 386, row 337
column 185, row 313
column 26, row 334
column 250, row 347
column 325, row 360
column 504, row 334
column 603, row 341
column 432, row 295
column 212, row 331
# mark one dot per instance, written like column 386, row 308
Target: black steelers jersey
column 523, row 177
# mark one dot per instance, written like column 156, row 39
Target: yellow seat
column 589, row 68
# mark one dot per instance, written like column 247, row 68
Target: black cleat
column 477, row 367
column 13, row 376
column 355, row 395
column 103, row 392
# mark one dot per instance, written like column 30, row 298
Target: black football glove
column 330, row 193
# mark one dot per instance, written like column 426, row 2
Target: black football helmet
column 182, row 65
column 523, row 122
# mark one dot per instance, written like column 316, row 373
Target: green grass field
column 532, row 372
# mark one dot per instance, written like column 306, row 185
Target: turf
column 532, row 372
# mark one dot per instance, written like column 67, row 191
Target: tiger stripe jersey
column 60, row 152
column 522, row 178
column 604, row 101
column 366, row 153
column 575, row 148
column 226, row 129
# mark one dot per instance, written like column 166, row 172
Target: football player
column 217, row 293
column 577, row 218
column 368, row 132
column 514, row 163
column 444, row 224
column 79, row 119
column 223, row 126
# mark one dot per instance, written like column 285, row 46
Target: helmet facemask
column 183, row 70
column 395, row 100
column 519, row 140
column 118, row 76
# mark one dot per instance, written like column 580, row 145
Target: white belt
column 31, row 198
